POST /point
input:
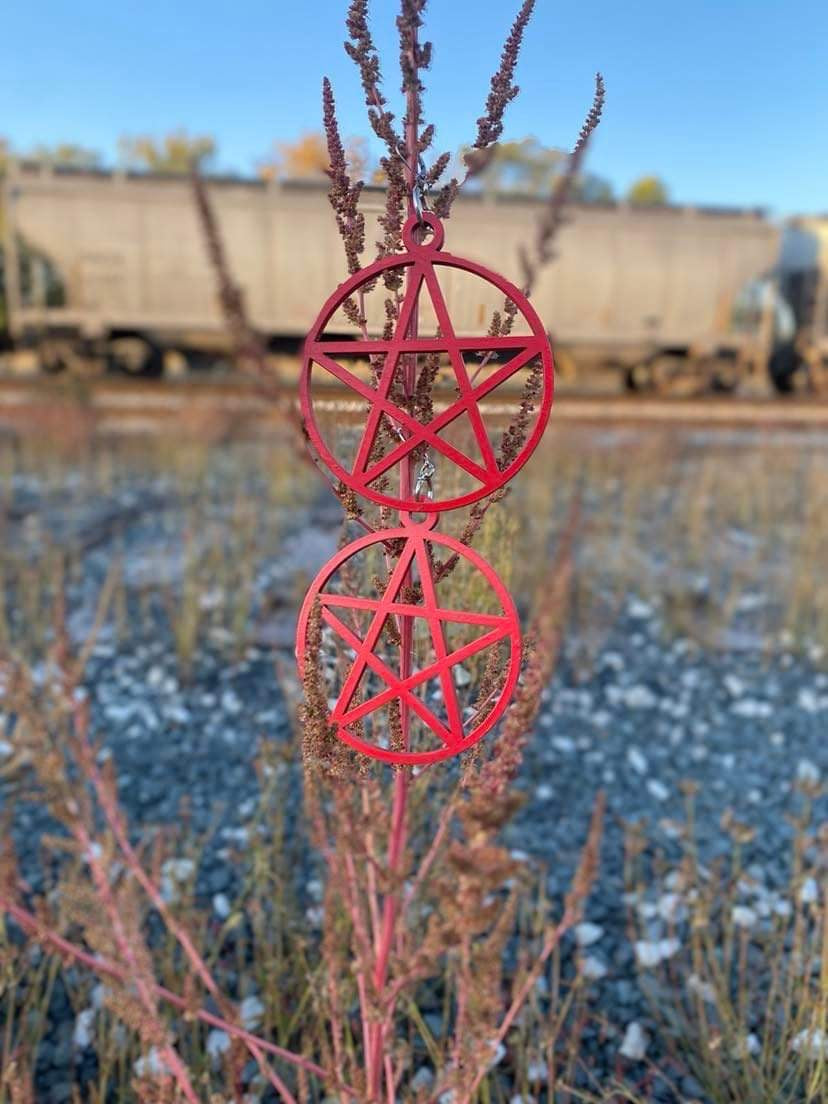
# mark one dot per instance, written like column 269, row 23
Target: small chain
column 424, row 476
column 420, row 188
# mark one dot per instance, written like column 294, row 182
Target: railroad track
column 139, row 405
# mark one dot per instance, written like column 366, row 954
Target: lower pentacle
column 416, row 642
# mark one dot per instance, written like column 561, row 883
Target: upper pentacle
column 431, row 388
column 452, row 679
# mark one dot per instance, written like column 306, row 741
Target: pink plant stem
column 398, row 835
column 103, row 967
column 371, row 867
column 143, row 987
column 116, row 825
column 550, row 943
column 361, row 936
column 430, row 856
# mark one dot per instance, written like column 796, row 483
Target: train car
column 803, row 277
column 110, row 270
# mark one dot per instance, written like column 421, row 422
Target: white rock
column 82, row 1035
column 218, row 1043
column 593, row 968
column 639, row 610
column 639, row 697
column 749, row 602
column 174, row 874
column 658, row 790
column 586, row 933
column 221, row 905
column 240, row 836
column 650, row 952
column 422, row 1080
column 635, row 1042
column 179, row 869
column 6, row 749
column 93, row 852
column 150, row 1064
column 461, row 675
column 498, row 1054
column 734, row 686
column 251, row 1012
column 751, row 708
column 544, row 792
column 537, row 1071
column 637, row 760
column 701, row 989
column 809, row 894
column 613, row 660
column 808, row 772
column 98, row 995
column 777, row 739
column 670, row 907
column 564, row 744
column 808, row 700
column 231, row 703
column 743, row 917
column 813, row 1043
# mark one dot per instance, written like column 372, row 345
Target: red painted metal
column 452, row 738
column 420, row 261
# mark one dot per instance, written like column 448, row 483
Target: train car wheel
column 135, row 356
column 724, row 375
column 53, row 357
column 680, row 376
column 783, row 366
column 639, row 377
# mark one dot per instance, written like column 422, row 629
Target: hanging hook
column 424, row 475
column 420, row 185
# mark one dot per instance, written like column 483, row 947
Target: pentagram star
column 398, row 686
column 413, row 432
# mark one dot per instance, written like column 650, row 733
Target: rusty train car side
column 102, row 267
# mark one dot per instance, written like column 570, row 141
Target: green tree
column 67, row 155
column 648, row 191
column 175, row 153
column 527, row 167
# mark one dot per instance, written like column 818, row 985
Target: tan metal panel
column 131, row 254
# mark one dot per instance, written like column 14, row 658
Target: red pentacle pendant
column 409, row 676
column 473, row 405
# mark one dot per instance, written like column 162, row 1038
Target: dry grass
column 743, row 1000
column 658, row 515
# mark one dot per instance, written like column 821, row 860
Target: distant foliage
column 67, row 155
column 528, row 168
column 63, row 155
column 178, row 152
column 648, row 191
column 308, row 157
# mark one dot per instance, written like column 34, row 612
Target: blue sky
column 727, row 101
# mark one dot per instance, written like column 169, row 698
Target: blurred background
column 166, row 242
column 695, row 252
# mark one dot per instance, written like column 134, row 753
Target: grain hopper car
column 109, row 271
